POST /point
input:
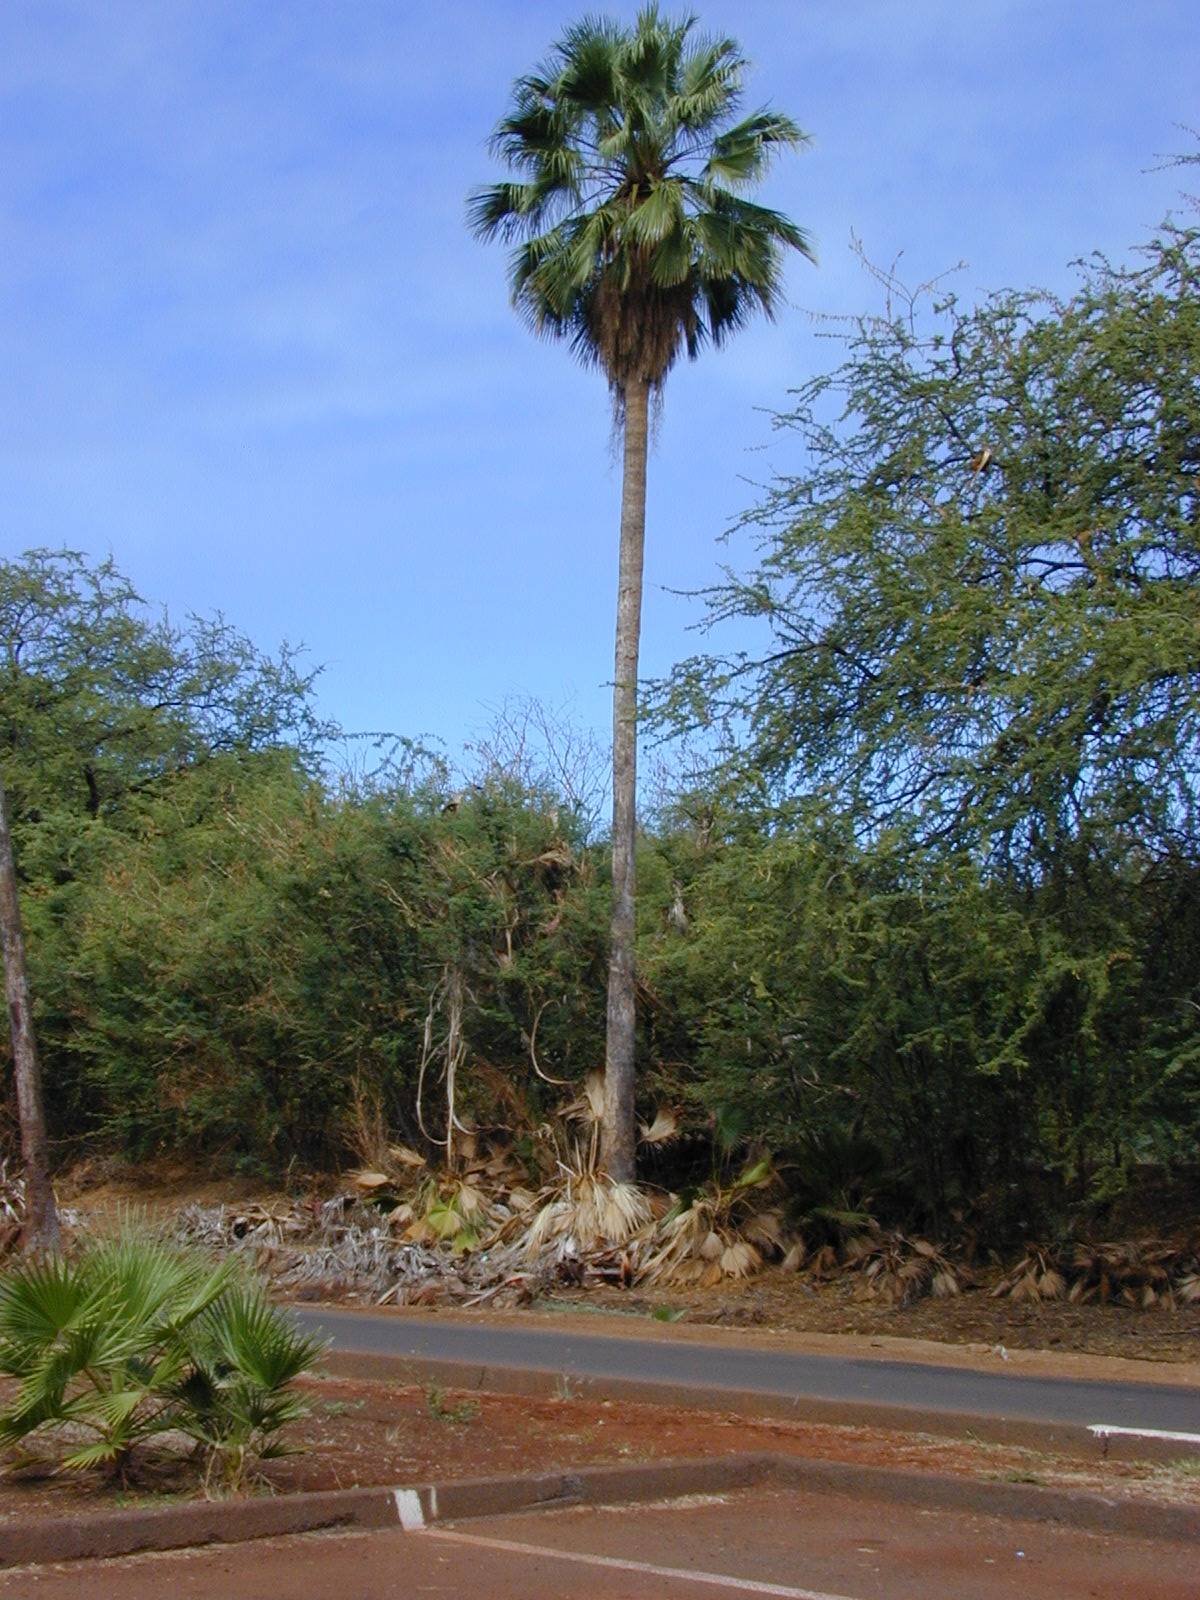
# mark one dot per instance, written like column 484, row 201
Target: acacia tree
column 981, row 591
column 635, row 243
column 99, row 702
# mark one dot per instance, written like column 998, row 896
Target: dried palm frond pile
column 1134, row 1272
column 472, row 1239
column 347, row 1248
column 12, row 1208
column 899, row 1270
column 723, row 1231
column 1131, row 1272
column 457, row 1212
column 494, row 1225
column 1038, row 1275
column 460, row 1208
column 586, row 1210
column 258, row 1227
column 411, row 1235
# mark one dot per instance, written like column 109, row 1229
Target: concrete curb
column 120, row 1533
column 1062, row 1438
column 99, row 1534
column 465, row 1498
column 102, row 1534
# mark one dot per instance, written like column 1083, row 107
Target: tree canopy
column 99, row 696
column 981, row 586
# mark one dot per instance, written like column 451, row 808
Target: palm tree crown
column 634, row 239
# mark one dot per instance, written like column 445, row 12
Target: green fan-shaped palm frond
column 39, row 1304
column 632, row 240
column 237, row 1398
column 153, row 1290
column 134, row 1339
column 246, row 1335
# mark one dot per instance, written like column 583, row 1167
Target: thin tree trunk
column 40, row 1233
column 619, row 1145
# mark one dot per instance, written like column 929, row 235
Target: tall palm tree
column 635, row 243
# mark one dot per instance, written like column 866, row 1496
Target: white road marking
column 719, row 1580
column 409, row 1510
column 1105, row 1430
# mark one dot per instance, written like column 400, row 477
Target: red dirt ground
column 806, row 1546
column 370, row 1432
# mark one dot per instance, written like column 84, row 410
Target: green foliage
column 954, row 910
column 981, row 589
column 132, row 1340
column 228, row 948
column 630, row 163
column 912, row 1036
column 257, row 952
column 237, row 1398
column 99, row 698
column 441, row 1411
column 930, row 933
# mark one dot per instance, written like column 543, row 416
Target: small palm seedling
column 132, row 1340
column 442, row 1411
column 237, row 1398
column 97, row 1346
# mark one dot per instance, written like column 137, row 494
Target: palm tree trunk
column 40, row 1233
column 619, row 1130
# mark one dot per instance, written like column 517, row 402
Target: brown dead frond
column 365, row 1126
column 586, row 1209
column 663, row 1129
column 1039, row 1275
column 725, row 1231
column 899, row 1269
column 1141, row 1273
column 1132, row 1272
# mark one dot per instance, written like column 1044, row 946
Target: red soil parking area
column 798, row 1546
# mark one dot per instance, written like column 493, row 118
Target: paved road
column 713, row 1368
column 786, row 1544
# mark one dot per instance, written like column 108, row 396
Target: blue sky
column 251, row 351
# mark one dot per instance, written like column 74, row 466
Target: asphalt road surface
column 710, row 1369
column 783, row 1543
